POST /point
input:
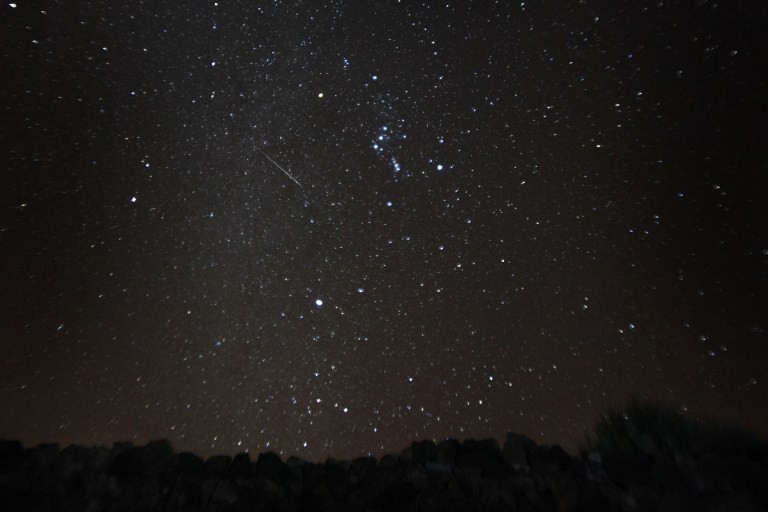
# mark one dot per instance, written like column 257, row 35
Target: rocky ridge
column 427, row 476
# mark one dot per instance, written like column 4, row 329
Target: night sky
column 334, row 227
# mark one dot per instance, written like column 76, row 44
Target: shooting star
column 278, row 166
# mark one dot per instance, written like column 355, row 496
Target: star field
column 332, row 228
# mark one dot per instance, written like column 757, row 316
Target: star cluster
column 331, row 228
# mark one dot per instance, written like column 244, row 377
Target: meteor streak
column 279, row 167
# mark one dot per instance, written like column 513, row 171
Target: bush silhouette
column 657, row 430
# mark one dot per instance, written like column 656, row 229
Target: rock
column 313, row 475
column 397, row 496
column 417, row 477
column 268, row 490
column 590, row 469
column 127, row 464
column 496, row 494
column 689, row 472
column 126, row 478
column 270, row 465
column 549, row 458
column 715, row 473
column 40, row 457
column 97, row 459
column 156, row 457
column 484, row 454
column 524, row 492
column 11, row 456
column 219, row 491
column 71, row 459
column 679, row 501
column 667, row 475
column 388, row 462
column 423, row 452
column 362, row 469
column 516, row 449
column 435, row 500
column 294, row 462
column 626, row 468
column 729, row 501
column 241, row 466
column 447, row 451
column 117, row 449
column 750, row 476
column 190, row 465
column 190, row 497
column 335, row 478
column 469, row 480
column 593, row 499
column 434, row 468
column 406, row 455
column 319, row 498
column 458, row 499
column 565, row 490
column 218, row 466
column 292, row 504
column 647, row 498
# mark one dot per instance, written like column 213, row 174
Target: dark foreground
column 472, row 475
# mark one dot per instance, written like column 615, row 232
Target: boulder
column 268, row 491
column 423, row 452
column 40, row 457
column 189, row 465
column 157, row 457
column 389, row 462
column 11, row 456
column 241, row 466
column 542, row 459
column 626, row 468
column 750, row 476
column 715, row 473
column 590, row 469
column 435, row 500
column 485, row 455
column 667, row 475
column 516, row 449
column 478, row 477
column 313, row 475
column 679, row 501
column 362, row 469
column 219, row 491
column 397, row 496
column 435, row 468
column 270, row 465
column 417, row 477
column 497, row 494
column 127, row 464
column 447, row 451
column 319, row 498
column 469, row 480
column 335, row 478
column 218, row 466
column 729, row 501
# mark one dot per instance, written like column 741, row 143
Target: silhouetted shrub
column 656, row 448
column 658, row 430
